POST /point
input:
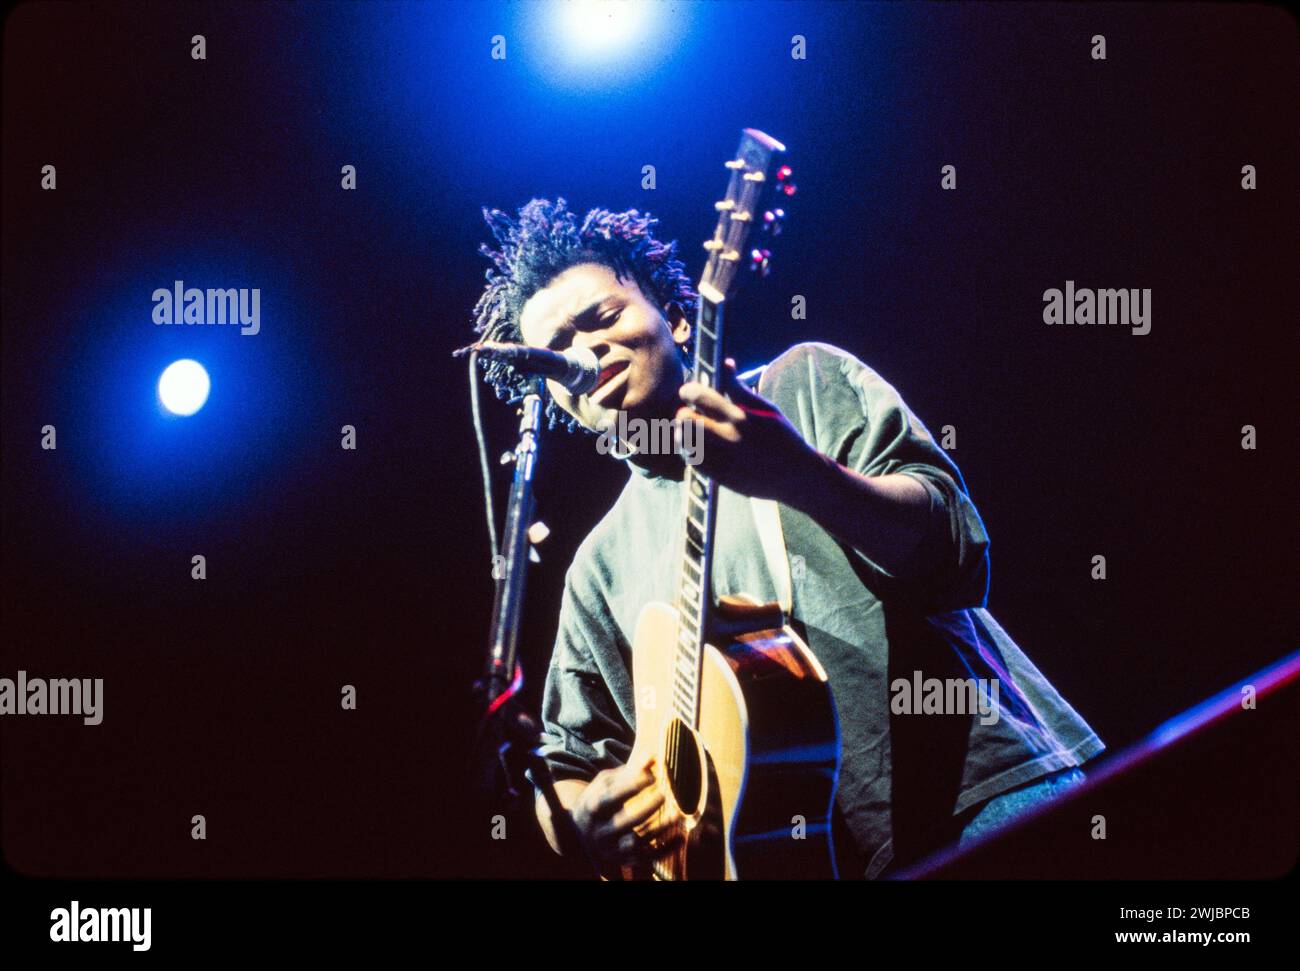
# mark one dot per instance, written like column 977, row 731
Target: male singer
column 894, row 556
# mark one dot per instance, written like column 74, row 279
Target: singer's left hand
column 745, row 443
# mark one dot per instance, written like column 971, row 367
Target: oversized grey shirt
column 903, row 777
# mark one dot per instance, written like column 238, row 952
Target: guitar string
column 675, row 862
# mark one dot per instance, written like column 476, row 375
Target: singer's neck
column 659, row 466
column 668, row 466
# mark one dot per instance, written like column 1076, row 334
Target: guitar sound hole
column 683, row 767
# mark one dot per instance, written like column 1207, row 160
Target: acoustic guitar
column 733, row 704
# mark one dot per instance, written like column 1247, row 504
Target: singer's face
column 637, row 346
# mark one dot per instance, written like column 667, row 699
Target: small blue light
column 183, row 387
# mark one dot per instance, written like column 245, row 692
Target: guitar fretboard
column 693, row 592
column 737, row 215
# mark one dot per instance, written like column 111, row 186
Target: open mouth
column 609, row 373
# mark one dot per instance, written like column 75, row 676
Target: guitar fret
column 684, row 703
column 690, row 610
column 688, row 606
column 694, row 580
column 696, row 527
column 687, row 644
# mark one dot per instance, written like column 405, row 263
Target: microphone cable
column 484, row 465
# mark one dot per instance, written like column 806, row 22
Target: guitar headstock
column 759, row 187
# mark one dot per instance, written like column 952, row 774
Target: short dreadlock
column 544, row 242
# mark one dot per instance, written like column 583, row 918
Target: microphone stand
column 502, row 681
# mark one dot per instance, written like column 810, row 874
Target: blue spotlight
column 183, row 387
column 602, row 27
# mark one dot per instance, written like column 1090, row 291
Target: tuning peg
column 773, row 221
column 759, row 261
column 537, row 533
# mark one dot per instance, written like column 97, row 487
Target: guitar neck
column 739, row 212
column 694, row 593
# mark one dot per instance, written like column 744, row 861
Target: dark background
column 329, row 567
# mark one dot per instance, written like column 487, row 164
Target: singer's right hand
column 609, row 810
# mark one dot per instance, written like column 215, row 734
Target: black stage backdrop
column 369, row 567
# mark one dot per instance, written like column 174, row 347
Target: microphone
column 577, row 369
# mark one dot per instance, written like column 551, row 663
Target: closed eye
column 584, row 321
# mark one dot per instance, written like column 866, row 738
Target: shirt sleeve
column 850, row 413
column 583, row 729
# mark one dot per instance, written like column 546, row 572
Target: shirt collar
column 659, row 467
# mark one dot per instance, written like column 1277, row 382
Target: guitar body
column 765, row 754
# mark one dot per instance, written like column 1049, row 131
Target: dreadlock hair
column 545, row 241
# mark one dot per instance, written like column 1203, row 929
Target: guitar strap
column 767, row 519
